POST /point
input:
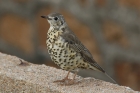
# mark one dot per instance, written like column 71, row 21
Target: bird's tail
column 110, row 78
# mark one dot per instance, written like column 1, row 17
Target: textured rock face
column 17, row 77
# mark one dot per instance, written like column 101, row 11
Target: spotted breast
column 60, row 52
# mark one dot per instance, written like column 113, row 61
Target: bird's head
column 56, row 20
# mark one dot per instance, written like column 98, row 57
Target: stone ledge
column 17, row 77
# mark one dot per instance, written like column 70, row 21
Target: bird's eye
column 55, row 18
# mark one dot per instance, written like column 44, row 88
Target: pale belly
column 63, row 56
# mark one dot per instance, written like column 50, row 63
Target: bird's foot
column 66, row 81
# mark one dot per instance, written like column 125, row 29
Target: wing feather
column 75, row 44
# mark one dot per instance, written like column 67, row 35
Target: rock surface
column 19, row 77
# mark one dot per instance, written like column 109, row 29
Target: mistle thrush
column 65, row 49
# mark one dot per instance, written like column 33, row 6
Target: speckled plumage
column 68, row 53
column 65, row 48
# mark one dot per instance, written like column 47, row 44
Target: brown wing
column 79, row 47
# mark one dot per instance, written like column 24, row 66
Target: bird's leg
column 74, row 75
column 67, row 76
column 67, row 81
column 63, row 80
column 72, row 81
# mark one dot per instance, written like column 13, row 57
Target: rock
column 17, row 77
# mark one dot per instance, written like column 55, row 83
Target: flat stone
column 18, row 77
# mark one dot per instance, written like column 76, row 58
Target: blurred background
column 110, row 29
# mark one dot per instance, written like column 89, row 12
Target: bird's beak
column 46, row 17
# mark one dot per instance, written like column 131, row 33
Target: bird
column 66, row 50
